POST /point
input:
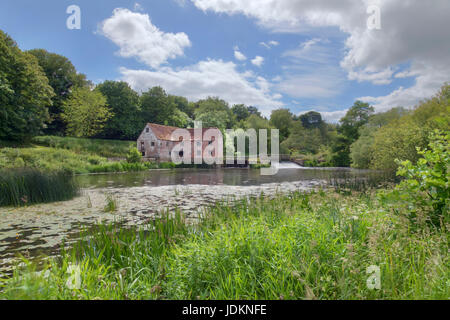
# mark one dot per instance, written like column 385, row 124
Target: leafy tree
column 399, row 139
column 214, row 112
column 355, row 118
column 62, row 77
column 362, row 150
column 124, row 104
column 341, row 152
column 240, row 111
column 303, row 140
column 183, row 105
column 282, row 120
column 24, row 93
column 86, row 112
column 254, row 110
column 157, row 107
column 311, row 120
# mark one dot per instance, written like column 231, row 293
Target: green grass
column 99, row 147
column 298, row 246
column 51, row 159
column 19, row 187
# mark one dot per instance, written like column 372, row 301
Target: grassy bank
column 20, row 187
column 51, row 159
column 298, row 246
column 99, row 147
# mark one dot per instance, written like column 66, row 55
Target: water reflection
column 223, row 176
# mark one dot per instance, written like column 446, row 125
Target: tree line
column 42, row 93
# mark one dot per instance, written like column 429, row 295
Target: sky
column 303, row 55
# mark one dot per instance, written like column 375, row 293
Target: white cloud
column 239, row 55
column 312, row 71
column 258, row 61
column 270, row 44
column 208, row 78
column 413, row 32
column 138, row 7
column 137, row 37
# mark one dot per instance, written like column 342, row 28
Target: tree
column 85, row 112
column 282, row 120
column 361, row 151
column 401, row 138
column 157, row 107
column 183, row 105
column 355, row 118
column 341, row 152
column 62, row 77
column 24, row 93
column 124, row 104
column 240, row 111
column 311, row 119
column 214, row 112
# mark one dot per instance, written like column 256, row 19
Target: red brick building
column 157, row 142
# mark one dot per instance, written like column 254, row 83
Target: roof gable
column 165, row 132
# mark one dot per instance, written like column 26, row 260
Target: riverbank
column 290, row 246
column 38, row 229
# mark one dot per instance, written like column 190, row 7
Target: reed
column 296, row 246
column 20, row 187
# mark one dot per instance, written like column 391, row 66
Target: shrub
column 425, row 191
column 134, row 156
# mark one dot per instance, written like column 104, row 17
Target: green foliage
column 357, row 116
column 24, row 186
column 425, row 191
column 123, row 102
column 85, row 113
column 240, row 111
column 341, row 152
column 63, row 78
column 296, row 246
column 134, row 156
column 157, row 107
column 111, row 203
column 282, row 120
column 24, row 93
column 214, row 112
column 99, row 147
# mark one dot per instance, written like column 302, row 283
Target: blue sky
column 191, row 48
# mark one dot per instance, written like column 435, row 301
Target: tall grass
column 20, row 187
column 99, row 147
column 299, row 246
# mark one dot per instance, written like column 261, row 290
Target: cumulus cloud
column 258, row 61
column 208, row 78
column 137, row 37
column 239, row 55
column 413, row 32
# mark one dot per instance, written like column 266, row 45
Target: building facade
column 157, row 142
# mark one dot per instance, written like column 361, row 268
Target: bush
column 20, row 187
column 134, row 156
column 425, row 191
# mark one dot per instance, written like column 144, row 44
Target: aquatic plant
column 296, row 246
column 20, row 187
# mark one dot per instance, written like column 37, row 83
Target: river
column 40, row 229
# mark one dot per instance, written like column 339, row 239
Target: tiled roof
column 165, row 132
